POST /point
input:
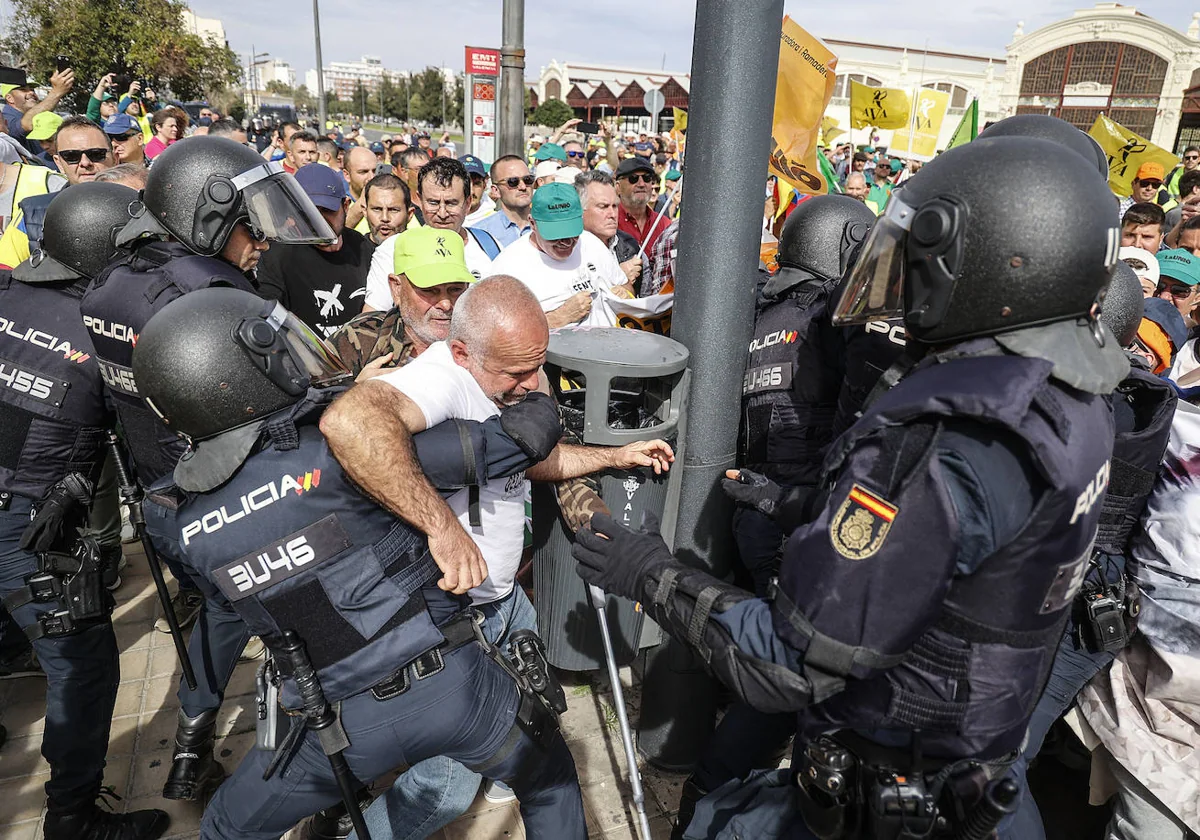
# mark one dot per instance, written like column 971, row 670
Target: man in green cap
column 1179, row 281
column 45, row 127
column 562, row 264
column 429, row 273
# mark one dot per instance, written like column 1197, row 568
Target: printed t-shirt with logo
column 444, row 390
column 590, row 268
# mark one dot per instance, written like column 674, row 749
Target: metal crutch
column 635, row 777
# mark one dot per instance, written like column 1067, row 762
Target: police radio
column 1108, row 612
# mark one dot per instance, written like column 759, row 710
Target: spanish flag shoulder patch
column 861, row 523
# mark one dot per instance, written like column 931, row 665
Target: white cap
column 566, row 175
column 546, row 168
column 1150, row 272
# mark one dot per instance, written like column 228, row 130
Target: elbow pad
column 683, row 600
column 534, row 424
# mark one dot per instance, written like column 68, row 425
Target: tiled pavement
column 144, row 723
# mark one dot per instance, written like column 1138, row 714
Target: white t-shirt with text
column 443, row 390
column 590, row 268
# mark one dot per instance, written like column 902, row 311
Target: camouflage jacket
column 373, row 334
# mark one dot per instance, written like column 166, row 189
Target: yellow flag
column 1127, row 152
column 680, row 119
column 807, row 74
column 830, row 130
column 919, row 139
column 878, row 107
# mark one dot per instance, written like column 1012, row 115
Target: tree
column 135, row 39
column 428, row 90
column 305, row 101
column 454, row 104
column 280, row 88
column 552, row 113
column 394, row 95
column 361, row 99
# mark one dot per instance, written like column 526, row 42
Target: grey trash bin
column 615, row 386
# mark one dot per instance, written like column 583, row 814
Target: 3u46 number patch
column 861, row 524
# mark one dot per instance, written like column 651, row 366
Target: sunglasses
column 1149, row 183
column 73, row 156
column 642, row 177
column 1178, row 291
column 576, row 154
column 1191, row 157
column 511, row 183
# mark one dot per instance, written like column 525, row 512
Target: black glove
column 534, row 424
column 58, row 513
column 790, row 507
column 754, row 490
column 621, row 563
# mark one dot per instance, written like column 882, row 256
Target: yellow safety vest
column 14, row 244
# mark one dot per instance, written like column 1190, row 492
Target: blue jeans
column 219, row 636
column 1073, row 668
column 433, row 792
column 82, row 673
column 467, row 711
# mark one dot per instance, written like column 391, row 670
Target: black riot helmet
column 1124, row 304
column 986, row 239
column 821, row 232
column 199, row 190
column 79, row 233
column 1053, row 129
column 218, row 359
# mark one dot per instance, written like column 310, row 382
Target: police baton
column 323, row 721
column 131, row 497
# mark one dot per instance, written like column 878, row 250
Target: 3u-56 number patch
column 861, row 524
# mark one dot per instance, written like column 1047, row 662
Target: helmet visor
column 279, row 209
column 289, row 353
column 875, row 289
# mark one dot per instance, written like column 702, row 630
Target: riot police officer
column 917, row 615
column 294, row 545
column 1101, row 622
column 210, row 208
column 54, row 419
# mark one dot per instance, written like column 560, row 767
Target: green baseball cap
column 431, row 257
column 1179, row 264
column 45, row 125
column 557, row 211
column 551, row 151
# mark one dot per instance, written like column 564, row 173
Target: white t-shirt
column 590, row 268
column 383, row 263
column 444, row 390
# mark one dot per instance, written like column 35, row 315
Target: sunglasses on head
column 642, row 177
column 73, row 156
column 511, row 183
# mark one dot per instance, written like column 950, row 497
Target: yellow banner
column 1126, row 152
column 830, row 130
column 680, row 116
column 807, row 74
column 919, row 139
column 878, row 107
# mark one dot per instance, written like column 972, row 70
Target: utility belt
column 1105, row 612
column 853, row 789
column 542, row 697
column 72, row 585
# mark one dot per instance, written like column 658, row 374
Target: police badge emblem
column 861, row 524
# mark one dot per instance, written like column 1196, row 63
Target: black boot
column 194, row 771
column 91, row 822
column 688, row 797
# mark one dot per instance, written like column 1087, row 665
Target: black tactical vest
column 869, row 350
column 1149, row 403
column 115, row 309
column 53, row 417
column 295, row 546
column 968, row 670
column 791, row 385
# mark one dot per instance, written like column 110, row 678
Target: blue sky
column 410, row 34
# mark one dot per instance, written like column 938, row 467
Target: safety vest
column 1172, row 182
column 52, row 409
column 14, row 244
